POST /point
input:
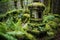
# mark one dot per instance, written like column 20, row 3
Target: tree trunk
column 21, row 2
column 56, row 6
column 6, row 6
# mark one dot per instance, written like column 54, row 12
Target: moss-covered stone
column 37, row 4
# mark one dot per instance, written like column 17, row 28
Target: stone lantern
column 36, row 11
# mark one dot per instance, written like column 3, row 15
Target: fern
column 3, row 27
column 7, row 37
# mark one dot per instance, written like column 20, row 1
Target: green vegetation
column 16, row 24
column 13, row 30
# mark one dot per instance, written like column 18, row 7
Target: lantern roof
column 36, row 4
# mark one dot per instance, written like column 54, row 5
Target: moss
column 37, row 4
column 53, row 24
column 30, row 36
column 51, row 34
column 26, row 11
column 47, row 27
